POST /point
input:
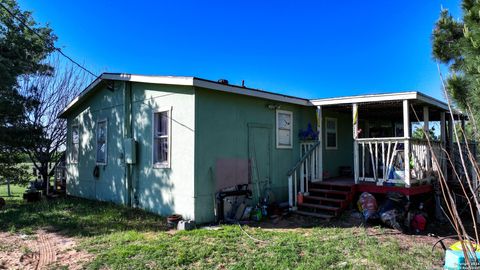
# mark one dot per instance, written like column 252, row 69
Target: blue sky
column 303, row 48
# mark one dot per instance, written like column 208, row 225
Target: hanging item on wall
column 96, row 171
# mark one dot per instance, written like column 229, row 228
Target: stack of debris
column 395, row 211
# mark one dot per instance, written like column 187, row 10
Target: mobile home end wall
column 159, row 190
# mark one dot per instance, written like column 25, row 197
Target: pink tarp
column 230, row 172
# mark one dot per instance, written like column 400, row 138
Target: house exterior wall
column 222, row 131
column 206, row 125
column 159, row 190
column 110, row 186
column 343, row 155
column 164, row 190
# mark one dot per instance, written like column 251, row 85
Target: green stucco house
column 160, row 143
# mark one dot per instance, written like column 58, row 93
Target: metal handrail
column 305, row 156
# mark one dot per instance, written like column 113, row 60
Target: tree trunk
column 45, row 180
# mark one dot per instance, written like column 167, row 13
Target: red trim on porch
column 414, row 190
column 373, row 188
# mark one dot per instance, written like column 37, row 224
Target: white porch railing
column 422, row 159
column 304, row 171
column 383, row 159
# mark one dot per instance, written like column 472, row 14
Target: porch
column 389, row 149
column 377, row 189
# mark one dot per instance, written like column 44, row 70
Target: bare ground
column 41, row 250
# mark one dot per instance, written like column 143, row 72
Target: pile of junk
column 236, row 205
column 395, row 211
column 241, row 196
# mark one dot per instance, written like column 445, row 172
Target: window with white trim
column 75, row 144
column 102, row 142
column 161, row 138
column 284, row 129
column 331, row 133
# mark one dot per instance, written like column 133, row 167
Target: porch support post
column 426, row 129
column 443, row 131
column 355, row 142
column 443, row 140
column 426, row 120
column 451, row 126
column 406, row 135
column 320, row 145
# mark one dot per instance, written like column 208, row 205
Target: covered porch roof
column 381, row 106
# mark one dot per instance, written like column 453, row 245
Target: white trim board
column 412, row 95
column 364, row 98
column 185, row 81
column 250, row 92
column 197, row 82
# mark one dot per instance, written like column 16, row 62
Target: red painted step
column 318, row 215
column 331, row 191
column 341, row 202
column 319, row 206
column 326, row 199
column 318, row 198
column 333, row 186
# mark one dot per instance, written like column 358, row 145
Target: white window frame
column 327, row 131
column 168, row 163
column 277, row 129
column 74, row 159
column 106, row 141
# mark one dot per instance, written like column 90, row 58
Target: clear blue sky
column 308, row 49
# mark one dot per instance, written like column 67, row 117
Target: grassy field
column 15, row 191
column 122, row 238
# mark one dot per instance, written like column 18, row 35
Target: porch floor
column 373, row 188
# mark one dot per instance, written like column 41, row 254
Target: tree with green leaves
column 456, row 43
column 24, row 45
column 419, row 133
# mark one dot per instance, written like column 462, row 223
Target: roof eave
column 184, row 81
column 364, row 98
column 250, row 92
column 412, row 95
column 81, row 96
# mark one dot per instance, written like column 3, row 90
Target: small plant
column 26, row 250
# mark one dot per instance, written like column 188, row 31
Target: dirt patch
column 41, row 250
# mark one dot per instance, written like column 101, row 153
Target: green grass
column 15, row 190
column 76, row 217
column 318, row 248
column 123, row 238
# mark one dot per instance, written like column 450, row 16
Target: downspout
column 127, row 134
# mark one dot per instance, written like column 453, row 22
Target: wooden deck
column 329, row 198
column 373, row 188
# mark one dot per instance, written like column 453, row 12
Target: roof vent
column 223, row 81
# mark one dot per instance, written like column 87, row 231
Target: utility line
column 45, row 42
